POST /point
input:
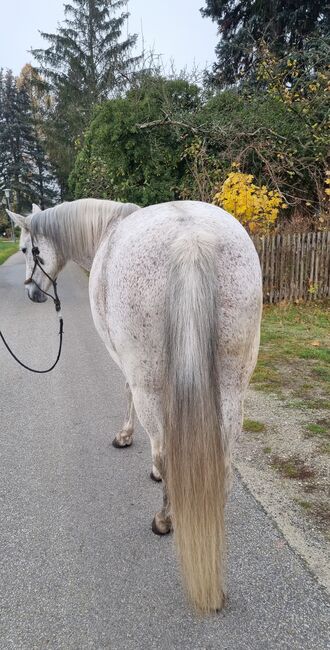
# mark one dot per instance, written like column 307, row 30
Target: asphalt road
column 79, row 565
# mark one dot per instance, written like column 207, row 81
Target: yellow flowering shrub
column 327, row 182
column 256, row 207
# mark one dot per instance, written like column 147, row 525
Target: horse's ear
column 18, row 220
column 35, row 208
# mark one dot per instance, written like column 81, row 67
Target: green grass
column 7, row 248
column 254, row 426
column 304, row 504
column 315, row 353
column 295, row 353
column 316, row 429
column 293, row 467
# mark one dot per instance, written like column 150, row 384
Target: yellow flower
column 254, row 206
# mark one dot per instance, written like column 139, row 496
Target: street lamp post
column 7, row 195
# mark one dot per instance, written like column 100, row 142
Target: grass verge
column 7, row 248
column 295, row 353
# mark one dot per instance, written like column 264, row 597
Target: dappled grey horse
column 175, row 293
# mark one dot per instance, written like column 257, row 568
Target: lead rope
column 57, row 303
column 33, row 369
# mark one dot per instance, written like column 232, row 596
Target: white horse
column 175, row 293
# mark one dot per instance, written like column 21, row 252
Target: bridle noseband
column 57, row 303
column 38, row 262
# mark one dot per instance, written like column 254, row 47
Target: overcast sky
column 173, row 28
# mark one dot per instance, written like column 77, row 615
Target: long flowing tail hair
column 194, row 450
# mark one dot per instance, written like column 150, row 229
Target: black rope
column 38, row 262
column 33, row 369
column 56, row 299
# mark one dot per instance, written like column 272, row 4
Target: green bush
column 119, row 160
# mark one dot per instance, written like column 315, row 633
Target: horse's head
column 47, row 257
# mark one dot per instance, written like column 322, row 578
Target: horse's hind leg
column 157, row 465
column 125, row 437
column 148, row 410
column 162, row 523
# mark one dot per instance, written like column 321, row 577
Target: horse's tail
column 194, row 455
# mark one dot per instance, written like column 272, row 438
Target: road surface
column 79, row 565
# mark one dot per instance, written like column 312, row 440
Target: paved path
column 79, row 566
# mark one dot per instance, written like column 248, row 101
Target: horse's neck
column 76, row 230
column 85, row 257
column 85, row 261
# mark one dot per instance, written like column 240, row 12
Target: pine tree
column 86, row 53
column 41, row 185
column 283, row 25
column 14, row 137
column 24, row 167
column 86, row 61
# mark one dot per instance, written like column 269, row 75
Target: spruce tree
column 85, row 62
column 86, row 53
column 41, row 185
column 24, row 167
column 14, row 137
column 283, row 25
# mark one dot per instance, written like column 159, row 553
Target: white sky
column 173, row 28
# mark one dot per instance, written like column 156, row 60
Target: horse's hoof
column 224, row 603
column 154, row 478
column 157, row 530
column 118, row 445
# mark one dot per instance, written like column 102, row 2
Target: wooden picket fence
column 295, row 267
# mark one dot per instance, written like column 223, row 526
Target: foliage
column 136, row 136
column 121, row 159
column 155, row 145
column 300, row 81
column 283, row 26
column 14, row 136
column 24, row 167
column 7, row 249
column 5, row 227
column 84, row 61
column 254, row 206
column 86, row 56
column 203, row 169
column 42, row 185
column 260, row 134
column 277, row 130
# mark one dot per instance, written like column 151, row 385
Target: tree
column 121, row 158
column 24, row 167
column 86, row 55
column 85, row 62
column 41, row 178
column 14, row 137
column 282, row 24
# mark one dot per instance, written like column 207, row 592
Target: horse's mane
column 76, row 228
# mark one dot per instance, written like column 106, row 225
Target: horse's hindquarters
column 129, row 280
